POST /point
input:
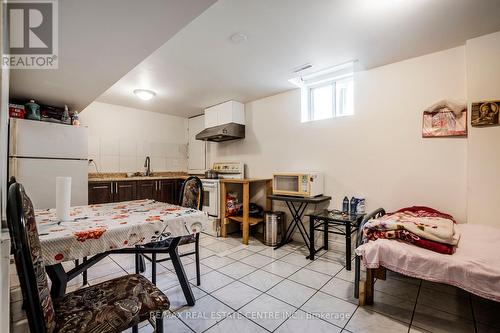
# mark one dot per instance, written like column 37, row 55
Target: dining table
column 95, row 231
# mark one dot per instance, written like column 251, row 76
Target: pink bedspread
column 474, row 267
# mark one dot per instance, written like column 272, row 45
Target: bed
column 474, row 267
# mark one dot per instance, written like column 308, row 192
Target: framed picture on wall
column 485, row 113
column 444, row 123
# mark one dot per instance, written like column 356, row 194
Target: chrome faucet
column 147, row 164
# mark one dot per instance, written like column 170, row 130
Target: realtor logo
column 32, row 40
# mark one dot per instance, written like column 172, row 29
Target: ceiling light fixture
column 238, row 38
column 144, row 94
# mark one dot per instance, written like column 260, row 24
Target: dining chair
column 111, row 306
column 191, row 196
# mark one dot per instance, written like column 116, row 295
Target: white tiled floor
column 257, row 289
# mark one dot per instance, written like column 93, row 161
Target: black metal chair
column 111, row 306
column 357, row 261
column 191, row 196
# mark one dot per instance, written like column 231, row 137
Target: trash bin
column 274, row 226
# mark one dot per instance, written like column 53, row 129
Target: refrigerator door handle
column 111, row 188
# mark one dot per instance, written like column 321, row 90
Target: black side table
column 342, row 224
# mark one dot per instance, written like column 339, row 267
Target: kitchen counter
column 245, row 180
column 120, row 176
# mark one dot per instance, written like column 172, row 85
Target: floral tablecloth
column 99, row 228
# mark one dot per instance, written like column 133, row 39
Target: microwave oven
column 298, row 184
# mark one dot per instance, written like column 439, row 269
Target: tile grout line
column 265, row 292
column 295, row 251
column 179, row 319
column 300, row 307
column 238, row 279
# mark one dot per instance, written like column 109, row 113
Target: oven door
column 211, row 198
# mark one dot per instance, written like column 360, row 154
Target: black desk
column 326, row 220
column 297, row 206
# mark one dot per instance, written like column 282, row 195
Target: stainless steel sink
column 135, row 175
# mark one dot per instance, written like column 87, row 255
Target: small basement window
column 328, row 93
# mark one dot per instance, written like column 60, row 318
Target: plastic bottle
column 65, row 116
column 361, row 206
column 345, row 205
column 353, row 205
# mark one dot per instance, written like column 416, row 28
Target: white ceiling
column 99, row 42
column 200, row 67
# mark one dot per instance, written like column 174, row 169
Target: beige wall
column 377, row 153
column 120, row 138
column 483, row 83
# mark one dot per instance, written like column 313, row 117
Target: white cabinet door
column 224, row 113
column 211, row 117
column 196, row 148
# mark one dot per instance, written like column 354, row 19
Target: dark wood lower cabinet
column 166, row 190
column 125, row 191
column 100, row 193
column 146, row 189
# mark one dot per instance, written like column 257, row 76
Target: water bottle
column 361, row 207
column 353, row 204
column 345, row 205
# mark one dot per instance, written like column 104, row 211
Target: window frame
column 310, row 98
column 333, row 83
column 350, row 80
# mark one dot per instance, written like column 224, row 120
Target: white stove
column 230, row 170
column 211, row 191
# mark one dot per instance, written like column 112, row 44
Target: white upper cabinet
column 224, row 113
column 211, row 117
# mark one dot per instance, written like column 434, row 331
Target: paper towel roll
column 63, row 198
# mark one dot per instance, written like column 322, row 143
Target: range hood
column 224, row 122
column 225, row 132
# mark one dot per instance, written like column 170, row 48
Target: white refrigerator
column 40, row 151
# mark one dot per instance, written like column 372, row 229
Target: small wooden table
column 246, row 220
